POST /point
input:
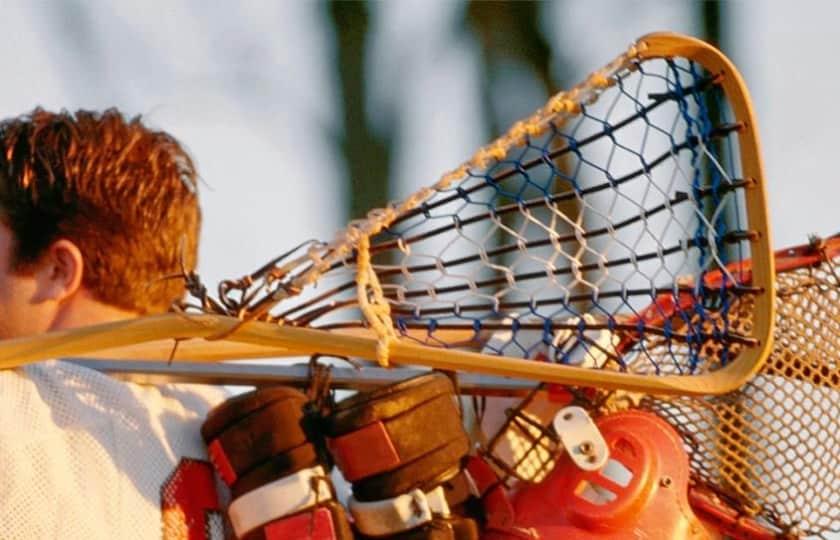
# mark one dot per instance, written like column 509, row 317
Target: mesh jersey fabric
column 85, row 456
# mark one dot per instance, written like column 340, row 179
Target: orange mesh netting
column 773, row 445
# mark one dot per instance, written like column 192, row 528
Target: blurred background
column 302, row 115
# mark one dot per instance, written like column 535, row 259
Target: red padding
column 221, row 462
column 498, row 510
column 727, row 520
column 482, row 474
column 364, row 452
column 317, row 525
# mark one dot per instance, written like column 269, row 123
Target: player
column 94, row 210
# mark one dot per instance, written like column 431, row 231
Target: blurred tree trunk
column 510, row 32
column 366, row 155
column 710, row 16
column 710, row 21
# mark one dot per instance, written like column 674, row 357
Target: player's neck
column 85, row 310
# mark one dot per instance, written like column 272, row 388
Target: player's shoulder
column 133, row 451
column 58, row 394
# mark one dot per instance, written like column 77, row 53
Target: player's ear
column 59, row 271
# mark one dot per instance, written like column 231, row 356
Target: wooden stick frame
column 151, row 338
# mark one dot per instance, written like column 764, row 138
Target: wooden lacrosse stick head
column 382, row 297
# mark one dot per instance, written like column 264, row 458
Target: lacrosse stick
column 637, row 184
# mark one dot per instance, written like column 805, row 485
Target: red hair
column 126, row 195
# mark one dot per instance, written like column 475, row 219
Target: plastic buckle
column 581, row 438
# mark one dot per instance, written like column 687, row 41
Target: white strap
column 279, row 498
column 401, row 513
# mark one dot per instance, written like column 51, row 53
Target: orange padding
column 364, row 452
column 642, row 491
column 727, row 520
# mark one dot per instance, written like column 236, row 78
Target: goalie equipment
column 250, row 429
column 265, row 448
column 280, row 498
column 402, row 447
column 319, row 523
column 403, row 437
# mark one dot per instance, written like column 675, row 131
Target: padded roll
column 397, row 438
column 263, row 445
column 238, row 407
column 266, row 432
column 424, row 473
column 365, row 408
column 277, row 466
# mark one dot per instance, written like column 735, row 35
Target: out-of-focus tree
column 508, row 33
column 711, row 26
column 512, row 44
column 366, row 154
column 710, row 16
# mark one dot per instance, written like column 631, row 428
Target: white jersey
column 84, row 456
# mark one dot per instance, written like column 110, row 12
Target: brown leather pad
column 384, row 403
column 266, row 432
column 276, row 467
column 423, row 473
column 419, row 421
column 238, row 407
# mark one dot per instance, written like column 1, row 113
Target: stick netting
column 607, row 209
column 773, row 444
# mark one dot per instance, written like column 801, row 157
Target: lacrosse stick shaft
column 307, row 341
column 341, row 378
